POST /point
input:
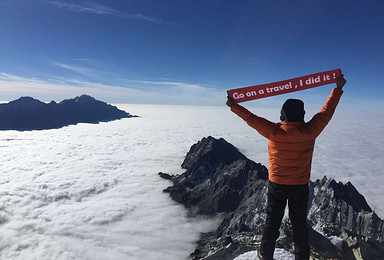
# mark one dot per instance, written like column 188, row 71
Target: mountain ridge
column 28, row 113
column 235, row 188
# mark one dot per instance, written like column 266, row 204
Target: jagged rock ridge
column 27, row 113
column 220, row 180
column 216, row 177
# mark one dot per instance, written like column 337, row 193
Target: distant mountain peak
column 84, row 98
column 26, row 100
column 27, row 113
column 81, row 99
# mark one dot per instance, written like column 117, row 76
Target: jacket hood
column 292, row 111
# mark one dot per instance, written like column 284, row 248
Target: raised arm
column 321, row 119
column 261, row 125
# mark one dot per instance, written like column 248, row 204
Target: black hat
column 292, row 111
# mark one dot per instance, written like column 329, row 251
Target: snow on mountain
column 280, row 254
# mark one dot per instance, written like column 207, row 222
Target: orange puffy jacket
column 290, row 144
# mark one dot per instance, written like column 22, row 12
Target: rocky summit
column 219, row 180
column 27, row 113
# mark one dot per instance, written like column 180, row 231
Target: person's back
column 290, row 149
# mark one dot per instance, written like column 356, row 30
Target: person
column 290, row 150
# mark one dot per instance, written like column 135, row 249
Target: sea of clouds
column 92, row 191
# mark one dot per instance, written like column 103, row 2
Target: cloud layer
column 88, row 7
column 92, row 191
column 133, row 91
column 98, row 9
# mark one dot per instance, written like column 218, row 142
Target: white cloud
column 78, row 69
column 92, row 191
column 88, row 7
column 145, row 92
column 95, row 8
column 177, row 85
column 60, row 88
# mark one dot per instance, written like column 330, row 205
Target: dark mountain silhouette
column 27, row 113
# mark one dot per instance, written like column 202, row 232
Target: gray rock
column 336, row 206
column 220, row 180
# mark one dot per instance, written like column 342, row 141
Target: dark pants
column 297, row 197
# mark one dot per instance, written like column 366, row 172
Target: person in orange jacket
column 290, row 150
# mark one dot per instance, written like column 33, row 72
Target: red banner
column 285, row 86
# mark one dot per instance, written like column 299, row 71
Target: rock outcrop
column 27, row 113
column 220, row 180
column 217, row 178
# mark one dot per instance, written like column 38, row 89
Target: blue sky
column 187, row 51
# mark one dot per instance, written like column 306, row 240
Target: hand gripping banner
column 281, row 87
